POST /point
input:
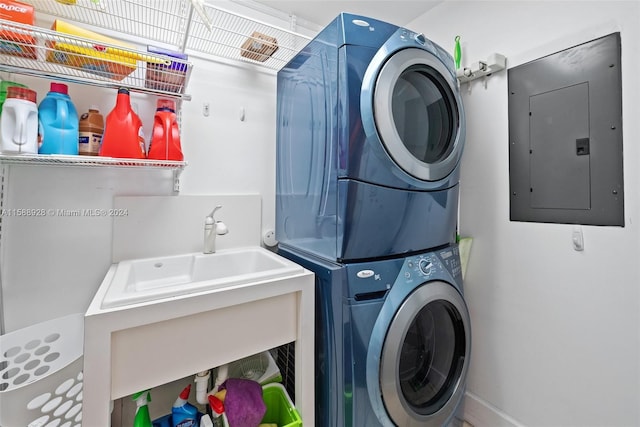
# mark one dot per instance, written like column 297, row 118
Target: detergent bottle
column 184, row 414
column 19, row 122
column 91, row 130
column 4, row 86
column 142, row 418
column 59, row 120
column 165, row 140
column 122, row 127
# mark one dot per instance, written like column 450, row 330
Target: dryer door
column 425, row 356
column 418, row 115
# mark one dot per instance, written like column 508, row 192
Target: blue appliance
column 370, row 131
column 393, row 339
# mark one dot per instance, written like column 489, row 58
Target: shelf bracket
column 176, row 180
column 495, row 62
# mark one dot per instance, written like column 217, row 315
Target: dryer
column 370, row 131
column 393, row 339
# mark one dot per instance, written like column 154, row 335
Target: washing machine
column 370, row 132
column 393, row 339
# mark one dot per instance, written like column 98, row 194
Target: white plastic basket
column 260, row 367
column 41, row 374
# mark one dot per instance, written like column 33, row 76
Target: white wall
column 555, row 332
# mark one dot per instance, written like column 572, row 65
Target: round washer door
column 425, row 356
column 418, row 115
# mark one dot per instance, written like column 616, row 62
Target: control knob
column 425, row 266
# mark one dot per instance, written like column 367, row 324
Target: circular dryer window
column 423, row 115
column 425, row 356
column 417, row 114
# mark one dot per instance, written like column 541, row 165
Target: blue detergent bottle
column 60, row 124
column 184, row 414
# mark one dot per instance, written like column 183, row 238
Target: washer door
column 417, row 114
column 425, row 356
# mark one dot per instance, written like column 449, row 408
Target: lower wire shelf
column 87, row 161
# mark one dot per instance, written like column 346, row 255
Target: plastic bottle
column 184, row 414
column 165, row 140
column 122, row 127
column 19, row 122
column 141, row 137
column 4, row 85
column 59, row 120
column 91, row 130
column 217, row 409
column 142, row 418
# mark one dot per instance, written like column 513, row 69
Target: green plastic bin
column 280, row 409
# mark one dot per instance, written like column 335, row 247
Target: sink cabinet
column 133, row 348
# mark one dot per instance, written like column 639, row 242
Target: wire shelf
column 236, row 37
column 163, row 21
column 87, row 161
column 46, row 53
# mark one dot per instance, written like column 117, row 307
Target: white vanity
column 145, row 341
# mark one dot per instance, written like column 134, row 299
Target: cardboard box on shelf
column 17, row 43
column 259, row 47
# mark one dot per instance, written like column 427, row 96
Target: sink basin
column 148, row 279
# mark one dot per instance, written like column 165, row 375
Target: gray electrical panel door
column 565, row 136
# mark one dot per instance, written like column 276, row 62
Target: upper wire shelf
column 46, row 53
column 237, row 37
column 208, row 29
column 164, row 21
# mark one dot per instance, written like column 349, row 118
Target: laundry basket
column 41, row 374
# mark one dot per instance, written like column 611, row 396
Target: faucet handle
column 216, row 209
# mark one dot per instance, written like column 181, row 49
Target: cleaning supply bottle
column 184, row 414
column 122, row 127
column 165, row 140
column 217, row 409
column 19, row 122
column 59, row 120
column 91, row 130
column 142, row 418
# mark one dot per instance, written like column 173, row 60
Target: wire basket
column 48, row 53
column 41, row 373
column 260, row 368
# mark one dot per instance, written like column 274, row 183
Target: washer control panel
column 372, row 280
column 434, row 264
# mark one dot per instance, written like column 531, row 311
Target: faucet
column 212, row 228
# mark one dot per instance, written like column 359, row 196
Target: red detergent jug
column 122, row 127
column 165, row 140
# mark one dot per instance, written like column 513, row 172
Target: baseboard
column 481, row 413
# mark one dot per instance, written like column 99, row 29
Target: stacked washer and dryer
column 370, row 132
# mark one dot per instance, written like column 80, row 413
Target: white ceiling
column 323, row 12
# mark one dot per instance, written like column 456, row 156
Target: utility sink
column 148, row 279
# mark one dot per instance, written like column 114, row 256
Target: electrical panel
column 565, row 136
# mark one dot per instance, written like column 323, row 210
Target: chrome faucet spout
column 213, row 228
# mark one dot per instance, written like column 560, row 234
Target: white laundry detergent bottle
column 19, row 121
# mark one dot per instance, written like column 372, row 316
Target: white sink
column 149, row 279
